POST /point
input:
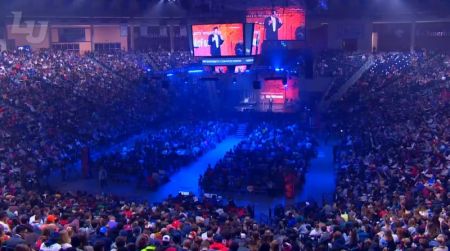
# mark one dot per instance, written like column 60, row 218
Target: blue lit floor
column 187, row 178
column 319, row 182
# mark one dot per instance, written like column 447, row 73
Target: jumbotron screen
column 279, row 23
column 218, row 40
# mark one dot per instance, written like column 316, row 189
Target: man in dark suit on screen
column 215, row 40
column 272, row 24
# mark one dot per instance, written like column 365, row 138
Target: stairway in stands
column 241, row 131
column 346, row 86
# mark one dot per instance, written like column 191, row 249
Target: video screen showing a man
column 272, row 24
column 215, row 41
column 276, row 23
column 218, row 40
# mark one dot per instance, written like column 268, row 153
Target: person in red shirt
column 218, row 244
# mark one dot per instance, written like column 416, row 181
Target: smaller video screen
column 240, row 68
column 220, row 69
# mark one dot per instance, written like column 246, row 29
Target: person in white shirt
column 3, row 222
column 52, row 243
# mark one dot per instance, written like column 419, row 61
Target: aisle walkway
column 320, row 181
column 186, row 179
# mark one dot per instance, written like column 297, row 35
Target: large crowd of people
column 165, row 60
column 54, row 103
column 392, row 161
column 278, row 153
column 153, row 160
column 131, row 66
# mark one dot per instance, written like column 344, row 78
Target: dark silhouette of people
column 300, row 33
column 272, row 24
column 239, row 49
column 270, row 104
column 215, row 40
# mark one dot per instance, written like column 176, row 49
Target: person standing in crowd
column 270, row 104
column 18, row 238
column 102, row 177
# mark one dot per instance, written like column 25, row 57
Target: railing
column 349, row 83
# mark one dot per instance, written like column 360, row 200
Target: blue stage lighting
column 195, row 71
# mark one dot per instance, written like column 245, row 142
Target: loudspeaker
column 256, row 84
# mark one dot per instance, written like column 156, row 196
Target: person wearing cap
column 242, row 242
column 50, row 223
column 52, row 243
column 166, row 244
column 51, row 219
column 102, row 237
column 218, row 243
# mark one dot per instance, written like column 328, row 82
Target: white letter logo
column 28, row 28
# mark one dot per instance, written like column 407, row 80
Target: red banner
column 278, row 92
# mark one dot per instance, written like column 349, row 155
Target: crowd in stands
column 152, row 161
column 79, row 221
column 392, row 162
column 165, row 60
column 53, row 103
column 129, row 65
column 269, row 158
column 339, row 66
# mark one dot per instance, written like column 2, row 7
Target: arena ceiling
column 178, row 8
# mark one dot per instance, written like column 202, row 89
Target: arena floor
column 319, row 182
